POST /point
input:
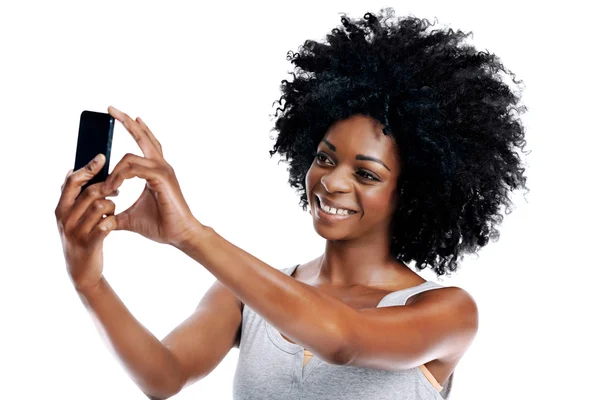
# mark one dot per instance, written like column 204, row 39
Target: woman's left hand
column 160, row 213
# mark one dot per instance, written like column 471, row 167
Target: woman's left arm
column 302, row 313
column 439, row 325
column 299, row 311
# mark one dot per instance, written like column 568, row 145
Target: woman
column 401, row 144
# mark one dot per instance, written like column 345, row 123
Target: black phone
column 95, row 136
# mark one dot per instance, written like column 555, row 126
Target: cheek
column 311, row 179
column 378, row 204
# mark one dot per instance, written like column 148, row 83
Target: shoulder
column 457, row 308
column 453, row 298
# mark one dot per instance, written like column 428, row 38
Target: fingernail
column 98, row 157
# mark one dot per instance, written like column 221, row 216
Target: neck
column 345, row 264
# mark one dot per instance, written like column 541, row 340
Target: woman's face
column 356, row 167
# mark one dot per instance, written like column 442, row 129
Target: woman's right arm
column 160, row 369
column 190, row 352
column 149, row 362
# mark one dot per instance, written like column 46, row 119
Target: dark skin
column 356, row 266
column 335, row 295
column 356, row 253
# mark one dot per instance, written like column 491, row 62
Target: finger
column 82, row 203
column 143, row 140
column 65, row 181
column 74, row 181
column 131, row 166
column 94, row 214
column 102, row 229
column 124, row 222
column 150, row 134
column 154, row 176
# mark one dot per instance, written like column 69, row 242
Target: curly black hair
column 455, row 122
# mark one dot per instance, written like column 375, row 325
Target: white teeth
column 333, row 211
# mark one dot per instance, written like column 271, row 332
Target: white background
column 204, row 79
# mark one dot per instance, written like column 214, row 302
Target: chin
column 329, row 233
column 327, row 228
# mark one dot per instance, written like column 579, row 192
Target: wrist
column 193, row 234
column 89, row 290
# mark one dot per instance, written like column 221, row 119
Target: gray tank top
column 270, row 367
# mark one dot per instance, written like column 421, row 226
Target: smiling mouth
column 318, row 205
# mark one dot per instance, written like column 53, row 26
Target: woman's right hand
column 82, row 225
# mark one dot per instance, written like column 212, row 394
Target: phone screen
column 95, row 136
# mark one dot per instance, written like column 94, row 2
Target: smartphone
column 95, row 136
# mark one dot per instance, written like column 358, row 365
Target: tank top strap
column 290, row 270
column 399, row 297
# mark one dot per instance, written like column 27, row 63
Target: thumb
column 123, row 221
column 80, row 178
column 88, row 171
column 94, row 166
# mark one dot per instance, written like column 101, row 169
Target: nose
column 336, row 181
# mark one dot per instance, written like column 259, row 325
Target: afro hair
column 455, row 122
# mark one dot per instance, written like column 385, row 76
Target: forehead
column 361, row 134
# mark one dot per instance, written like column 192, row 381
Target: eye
column 321, row 157
column 369, row 176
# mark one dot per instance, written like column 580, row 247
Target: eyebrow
column 358, row 156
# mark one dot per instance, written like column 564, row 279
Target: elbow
column 346, row 352
column 158, row 397
column 163, row 395
column 343, row 356
column 163, row 390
